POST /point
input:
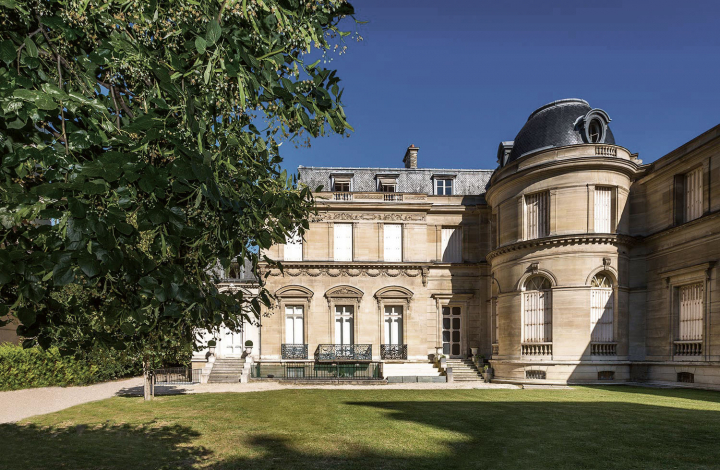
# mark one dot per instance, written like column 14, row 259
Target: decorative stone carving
column 351, row 271
column 534, row 268
column 365, row 216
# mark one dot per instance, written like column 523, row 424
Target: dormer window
column 342, row 182
column 443, row 186
column 387, row 185
column 595, row 131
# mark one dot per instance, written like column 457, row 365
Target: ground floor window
column 344, row 324
column 294, row 324
column 601, row 310
column 691, row 312
column 393, row 324
column 451, row 320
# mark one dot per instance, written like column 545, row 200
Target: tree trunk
column 148, row 389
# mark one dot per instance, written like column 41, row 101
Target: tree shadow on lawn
column 710, row 396
column 107, row 446
column 398, row 435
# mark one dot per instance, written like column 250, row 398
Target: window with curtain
column 343, row 242
column 393, row 324
column 451, row 245
column 294, row 333
column 601, row 309
column 693, row 194
column 537, row 220
column 537, row 310
column 603, row 210
column 392, row 242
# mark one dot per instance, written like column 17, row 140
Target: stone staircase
column 464, row 370
column 226, row 370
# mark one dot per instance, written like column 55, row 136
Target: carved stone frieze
column 352, row 271
column 369, row 216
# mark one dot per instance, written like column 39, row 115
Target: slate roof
column 553, row 125
column 409, row 180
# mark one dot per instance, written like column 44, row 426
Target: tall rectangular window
column 344, row 324
column 343, row 242
column 537, row 220
column 601, row 315
column 392, row 242
column 443, row 187
column 393, row 324
column 603, row 210
column 294, row 333
column 537, row 317
column 693, row 194
column 293, row 247
column 452, row 245
column 691, row 312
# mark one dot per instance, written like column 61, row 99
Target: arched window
column 601, row 309
column 537, row 310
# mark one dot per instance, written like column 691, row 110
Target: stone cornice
column 685, row 226
column 564, row 240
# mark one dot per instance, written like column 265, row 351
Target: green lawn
column 610, row 427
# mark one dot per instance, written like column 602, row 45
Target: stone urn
column 474, row 351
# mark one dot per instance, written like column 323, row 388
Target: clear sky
column 457, row 77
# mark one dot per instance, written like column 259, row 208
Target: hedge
column 36, row 367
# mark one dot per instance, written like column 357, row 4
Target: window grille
column 535, row 374
column 537, row 310
column 606, row 375
column 691, row 312
column 686, row 377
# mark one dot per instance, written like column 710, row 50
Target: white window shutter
column 693, row 194
column 293, row 247
column 343, row 242
column 603, row 210
column 691, row 312
column 536, row 215
column 393, row 242
column 452, row 245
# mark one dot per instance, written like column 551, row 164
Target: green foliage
column 36, row 367
column 248, row 344
column 134, row 127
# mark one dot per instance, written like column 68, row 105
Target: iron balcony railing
column 294, row 351
column 393, row 351
column 343, row 352
column 315, row 371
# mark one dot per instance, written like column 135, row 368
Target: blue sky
column 457, row 77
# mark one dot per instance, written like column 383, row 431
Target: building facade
column 571, row 262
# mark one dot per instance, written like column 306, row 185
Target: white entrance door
column 231, row 343
column 451, row 319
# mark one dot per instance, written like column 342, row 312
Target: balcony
column 393, row 351
column 688, row 348
column 355, row 196
column 603, row 349
column 343, row 353
column 294, row 351
column 543, row 350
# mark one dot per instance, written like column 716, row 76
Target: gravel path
column 21, row 404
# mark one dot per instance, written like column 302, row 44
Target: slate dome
column 560, row 123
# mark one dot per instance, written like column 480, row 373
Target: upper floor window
column 392, row 242
column 693, row 194
column 537, row 220
column 452, row 245
column 343, row 242
column 293, row 247
column 444, row 187
column 603, row 210
column 341, row 183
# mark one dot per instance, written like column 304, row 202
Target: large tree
column 140, row 146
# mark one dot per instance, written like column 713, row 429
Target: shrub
column 37, row 367
column 248, row 344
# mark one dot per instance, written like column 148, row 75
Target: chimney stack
column 411, row 155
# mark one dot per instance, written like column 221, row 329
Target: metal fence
column 314, row 371
column 176, row 376
column 343, row 352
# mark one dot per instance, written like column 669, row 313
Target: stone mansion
column 571, row 262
